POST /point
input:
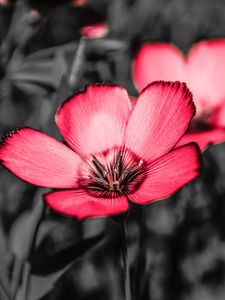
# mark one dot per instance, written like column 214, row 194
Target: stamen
column 140, row 163
column 134, row 175
column 96, row 188
column 100, row 166
column 99, row 180
column 116, row 167
column 127, row 171
column 115, row 186
column 119, row 175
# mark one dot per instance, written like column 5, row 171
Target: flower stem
column 78, row 62
column 141, row 261
column 125, row 261
column 21, row 265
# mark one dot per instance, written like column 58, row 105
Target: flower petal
column 95, row 31
column 159, row 119
column 203, row 139
column 39, row 159
column 94, row 120
column 79, row 204
column 206, row 72
column 203, row 70
column 168, row 174
column 217, row 119
column 159, row 61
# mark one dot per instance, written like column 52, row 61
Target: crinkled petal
column 160, row 117
column 204, row 138
column 206, row 72
column 168, row 174
column 39, row 159
column 94, row 120
column 81, row 205
column 159, row 61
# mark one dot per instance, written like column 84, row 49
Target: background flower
column 202, row 69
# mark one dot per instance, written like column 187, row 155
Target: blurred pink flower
column 203, row 70
column 4, row 2
column 98, row 30
column 79, row 2
column 115, row 154
column 95, row 30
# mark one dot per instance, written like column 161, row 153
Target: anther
column 99, row 180
column 127, row 171
column 140, row 163
column 118, row 174
column 116, row 166
column 115, row 186
column 99, row 166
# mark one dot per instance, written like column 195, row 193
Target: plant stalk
column 20, row 264
column 126, row 261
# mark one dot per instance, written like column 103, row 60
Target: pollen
column 118, row 172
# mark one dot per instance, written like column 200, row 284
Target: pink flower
column 114, row 154
column 79, row 2
column 204, row 72
column 5, row 2
column 94, row 31
column 97, row 30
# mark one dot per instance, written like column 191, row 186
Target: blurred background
column 50, row 49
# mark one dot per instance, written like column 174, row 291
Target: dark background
column 176, row 246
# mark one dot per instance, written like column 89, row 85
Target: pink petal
column 133, row 101
column 159, row 119
column 217, row 119
column 206, row 72
column 3, row 2
column 98, row 30
column 39, row 159
column 94, row 120
column 168, row 174
column 158, row 61
column 79, row 204
column 79, row 2
column 204, row 138
column 203, row 70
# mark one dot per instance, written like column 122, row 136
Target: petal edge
column 94, row 120
column 159, row 119
column 168, row 174
column 39, row 159
column 80, row 205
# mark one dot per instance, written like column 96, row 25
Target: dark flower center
column 118, row 172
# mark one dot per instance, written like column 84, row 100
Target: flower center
column 118, row 172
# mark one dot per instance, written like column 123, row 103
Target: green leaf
column 50, row 269
column 4, row 294
column 41, row 285
column 43, row 73
column 4, row 281
column 40, row 72
column 58, row 248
